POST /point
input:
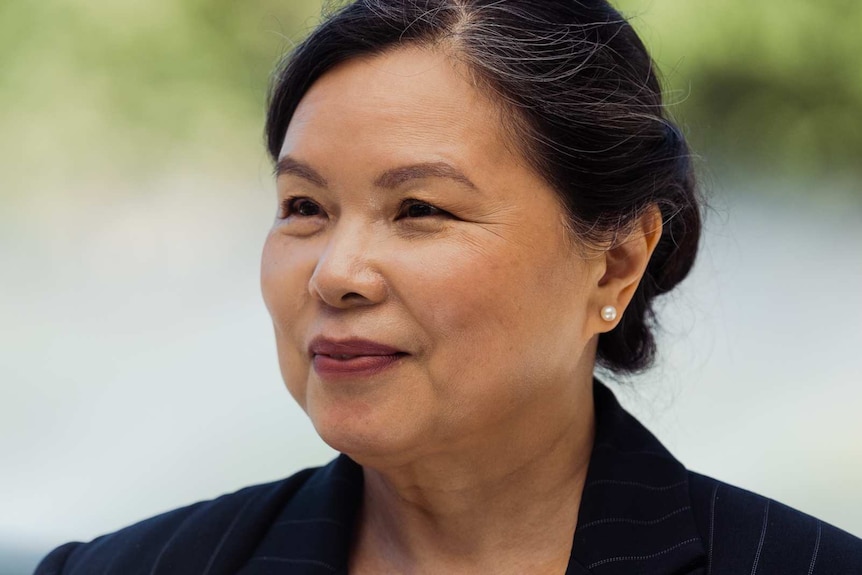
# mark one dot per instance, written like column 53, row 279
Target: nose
column 346, row 274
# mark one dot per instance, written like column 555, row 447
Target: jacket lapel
column 312, row 533
column 635, row 514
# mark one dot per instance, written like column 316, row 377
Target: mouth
column 352, row 357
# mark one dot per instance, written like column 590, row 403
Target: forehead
column 405, row 102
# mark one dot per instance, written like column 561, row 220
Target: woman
column 477, row 204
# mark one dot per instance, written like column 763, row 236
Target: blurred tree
column 102, row 87
column 105, row 86
column 769, row 85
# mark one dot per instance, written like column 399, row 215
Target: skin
column 475, row 445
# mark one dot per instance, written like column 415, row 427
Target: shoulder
column 191, row 539
column 744, row 532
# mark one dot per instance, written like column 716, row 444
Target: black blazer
column 642, row 512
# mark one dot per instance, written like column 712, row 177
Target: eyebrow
column 390, row 179
column 288, row 166
column 397, row 176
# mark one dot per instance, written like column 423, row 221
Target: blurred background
column 137, row 367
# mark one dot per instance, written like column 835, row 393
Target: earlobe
column 609, row 313
column 625, row 262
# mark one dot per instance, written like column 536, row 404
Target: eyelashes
column 298, row 206
column 304, row 208
column 413, row 209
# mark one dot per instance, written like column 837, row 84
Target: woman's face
column 409, row 221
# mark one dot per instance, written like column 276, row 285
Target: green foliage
column 774, row 85
column 101, row 85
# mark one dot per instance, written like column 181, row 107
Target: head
column 469, row 183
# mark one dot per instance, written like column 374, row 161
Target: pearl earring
column 609, row 313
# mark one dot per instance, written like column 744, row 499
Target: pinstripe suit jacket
column 642, row 512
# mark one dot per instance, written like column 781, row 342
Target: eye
column 418, row 209
column 302, row 207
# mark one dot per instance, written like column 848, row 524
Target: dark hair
column 583, row 100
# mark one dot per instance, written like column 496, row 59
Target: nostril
column 342, row 279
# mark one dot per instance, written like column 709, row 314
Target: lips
column 351, row 357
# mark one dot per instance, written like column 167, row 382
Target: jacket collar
column 312, row 534
column 635, row 514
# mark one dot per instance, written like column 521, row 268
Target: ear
column 625, row 262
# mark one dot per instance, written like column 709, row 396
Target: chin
column 362, row 434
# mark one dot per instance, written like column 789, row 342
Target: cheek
column 470, row 300
column 486, row 303
column 447, row 286
column 284, row 274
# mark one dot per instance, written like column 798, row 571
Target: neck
column 507, row 504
